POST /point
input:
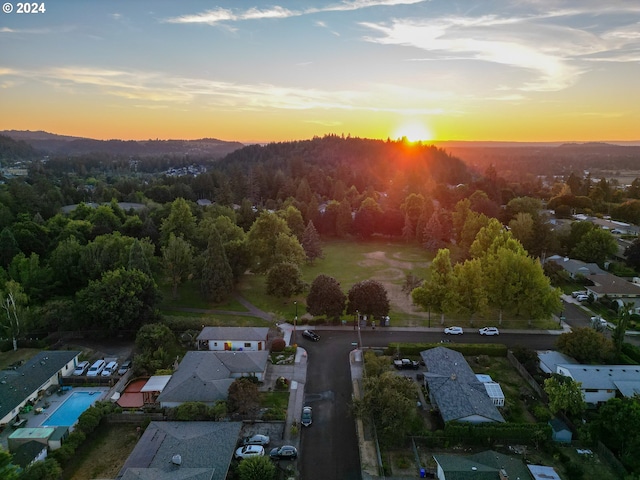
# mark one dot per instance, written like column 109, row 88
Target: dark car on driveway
column 311, row 335
column 286, row 452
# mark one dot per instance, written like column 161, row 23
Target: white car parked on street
column 453, row 331
column 489, row 331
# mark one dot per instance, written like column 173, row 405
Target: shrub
column 278, row 344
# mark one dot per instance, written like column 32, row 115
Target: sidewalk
column 298, row 375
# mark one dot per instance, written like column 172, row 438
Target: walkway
column 252, row 310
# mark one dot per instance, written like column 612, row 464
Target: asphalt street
column 329, row 448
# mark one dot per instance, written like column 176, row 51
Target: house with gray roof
column 206, row 376
column 575, row 268
column 455, row 390
column 27, row 382
column 240, row 339
column 548, row 360
column 600, row 383
column 29, row 453
column 182, row 450
column 487, row 465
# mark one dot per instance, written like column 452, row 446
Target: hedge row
column 488, row 434
column 466, row 349
column 631, row 351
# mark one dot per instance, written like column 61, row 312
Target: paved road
column 329, row 448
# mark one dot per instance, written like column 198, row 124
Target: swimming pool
column 67, row 413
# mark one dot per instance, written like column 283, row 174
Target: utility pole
column 295, row 321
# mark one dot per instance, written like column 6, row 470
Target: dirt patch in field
column 391, row 278
column 382, row 258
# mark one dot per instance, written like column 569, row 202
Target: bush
column 542, row 413
column 278, row 344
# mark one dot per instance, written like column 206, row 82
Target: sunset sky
column 253, row 71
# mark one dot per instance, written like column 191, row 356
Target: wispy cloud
column 158, row 90
column 554, row 54
column 220, row 15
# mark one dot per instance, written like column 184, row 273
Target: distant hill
column 12, row 149
column 53, row 144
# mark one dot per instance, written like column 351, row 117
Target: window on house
column 247, row 344
column 591, row 390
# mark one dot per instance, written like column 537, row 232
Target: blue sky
column 258, row 71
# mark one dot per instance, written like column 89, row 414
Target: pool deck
column 45, row 407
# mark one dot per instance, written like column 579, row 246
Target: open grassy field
column 348, row 261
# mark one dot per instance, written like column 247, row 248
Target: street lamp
column 359, row 335
column 295, row 320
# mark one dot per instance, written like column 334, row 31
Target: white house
column 28, row 382
column 601, row 382
column 251, row 339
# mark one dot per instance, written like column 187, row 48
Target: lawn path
column 252, row 310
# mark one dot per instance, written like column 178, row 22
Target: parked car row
column 101, row 368
column 482, row 331
column 286, row 452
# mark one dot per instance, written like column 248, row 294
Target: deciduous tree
column 469, row 295
column 326, row 298
column 177, row 259
column 368, row 297
column 13, row 300
column 586, row 345
column 284, row 280
column 390, row 401
column 266, row 238
column 564, row 395
column 121, row 299
column 617, row 425
column 596, row 246
column 433, row 294
column 243, row 397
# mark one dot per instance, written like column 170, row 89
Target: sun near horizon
column 413, row 131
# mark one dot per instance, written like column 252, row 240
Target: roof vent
column 453, row 377
column 176, row 459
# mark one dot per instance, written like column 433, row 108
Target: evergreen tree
column 217, row 278
column 311, row 243
column 433, row 234
column 8, row 247
column 408, row 230
column 344, row 219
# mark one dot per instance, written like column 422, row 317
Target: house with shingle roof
column 182, row 450
column 600, row 383
column 455, row 390
column 575, row 268
column 233, row 339
column 206, row 376
column 487, row 465
column 25, row 383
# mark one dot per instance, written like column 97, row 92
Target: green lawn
column 349, row 262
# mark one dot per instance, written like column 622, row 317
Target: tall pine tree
column 217, row 278
column 311, row 243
